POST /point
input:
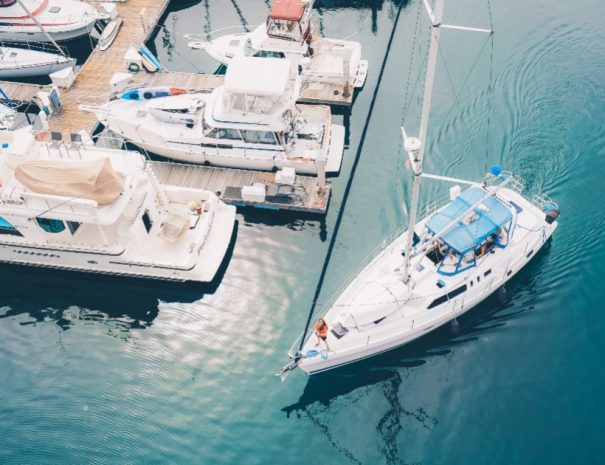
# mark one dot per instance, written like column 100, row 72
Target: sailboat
column 20, row 62
column 39, row 20
column 441, row 266
column 288, row 33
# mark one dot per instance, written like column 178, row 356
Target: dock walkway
column 304, row 195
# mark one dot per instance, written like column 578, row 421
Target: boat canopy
column 476, row 226
column 288, row 10
column 257, row 76
column 95, row 180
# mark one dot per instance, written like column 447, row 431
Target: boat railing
column 37, row 47
column 515, row 183
column 212, row 34
column 543, row 202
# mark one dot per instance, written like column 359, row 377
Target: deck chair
column 76, row 142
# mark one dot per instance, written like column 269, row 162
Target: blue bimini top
column 489, row 216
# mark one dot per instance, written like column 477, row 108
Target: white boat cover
column 257, row 76
column 95, row 180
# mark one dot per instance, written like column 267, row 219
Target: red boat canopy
column 289, row 10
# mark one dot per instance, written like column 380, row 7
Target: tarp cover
column 95, row 180
column 490, row 215
column 289, row 10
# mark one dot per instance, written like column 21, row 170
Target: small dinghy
column 109, row 34
column 18, row 62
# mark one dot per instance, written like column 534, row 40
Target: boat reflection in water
column 67, row 297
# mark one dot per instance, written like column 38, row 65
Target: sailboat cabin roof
column 289, row 10
column 476, row 226
column 258, row 76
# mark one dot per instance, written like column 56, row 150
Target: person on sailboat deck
column 321, row 331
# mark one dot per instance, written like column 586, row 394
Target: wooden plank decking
column 304, row 196
column 92, row 81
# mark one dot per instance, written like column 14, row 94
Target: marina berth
column 37, row 20
column 250, row 122
column 289, row 33
column 93, row 209
column 20, row 62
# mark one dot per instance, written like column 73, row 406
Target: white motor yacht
column 250, row 122
column 288, row 33
column 441, row 267
column 21, row 62
column 26, row 20
column 93, row 209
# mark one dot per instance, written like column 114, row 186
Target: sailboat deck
column 304, row 196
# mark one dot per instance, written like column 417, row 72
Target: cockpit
column 289, row 19
column 481, row 226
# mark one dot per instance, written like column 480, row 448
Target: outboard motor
column 552, row 215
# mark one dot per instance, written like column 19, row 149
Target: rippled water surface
column 107, row 371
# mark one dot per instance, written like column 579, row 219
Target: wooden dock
column 91, row 87
column 92, row 81
column 304, row 195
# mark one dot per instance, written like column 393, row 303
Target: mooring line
column 347, row 191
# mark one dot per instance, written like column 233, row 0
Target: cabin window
column 7, row 228
column 231, row 134
column 449, row 296
column 147, row 221
column 487, row 273
column 269, row 54
column 51, row 226
column 73, row 226
column 54, row 9
column 258, row 137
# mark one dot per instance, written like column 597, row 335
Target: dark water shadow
column 46, row 295
column 294, row 221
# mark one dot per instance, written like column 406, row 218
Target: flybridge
column 288, row 10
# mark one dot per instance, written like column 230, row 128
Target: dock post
column 320, row 163
column 346, row 72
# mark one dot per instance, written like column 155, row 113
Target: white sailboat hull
column 33, row 34
column 399, row 329
column 61, row 19
column 15, row 63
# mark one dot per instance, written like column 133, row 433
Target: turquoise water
column 104, row 371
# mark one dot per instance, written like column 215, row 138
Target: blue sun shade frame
column 463, row 236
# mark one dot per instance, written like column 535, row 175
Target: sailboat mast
column 35, row 20
column 415, row 146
